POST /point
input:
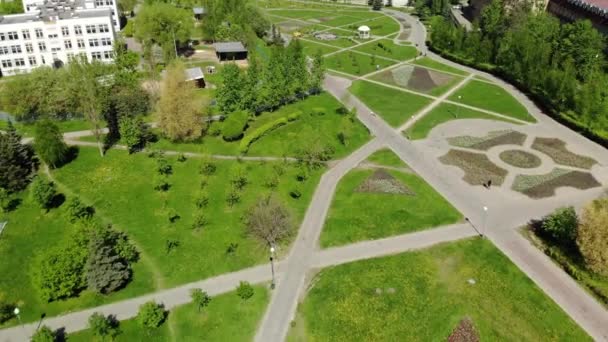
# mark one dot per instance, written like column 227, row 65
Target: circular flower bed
column 520, row 159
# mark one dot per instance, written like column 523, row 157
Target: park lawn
column 355, row 63
column 227, row 318
column 31, row 230
column 491, row 97
column 357, row 216
column 442, row 89
column 297, row 13
column 290, row 139
column 342, row 20
column 422, row 296
column 447, row 112
column 344, row 40
column 311, row 48
column 394, row 106
column 478, row 77
column 27, row 130
column 385, row 157
column 120, row 187
column 433, row 64
column 382, row 26
column 387, row 48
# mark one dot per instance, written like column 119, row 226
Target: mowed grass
column 310, row 48
column 27, row 130
column 227, row 318
column 491, row 97
column 387, row 48
column 443, row 113
column 120, row 187
column 394, row 106
column 385, row 157
column 431, row 295
column 433, row 64
column 31, row 231
column 356, row 216
column 355, row 63
column 291, row 139
column 382, row 26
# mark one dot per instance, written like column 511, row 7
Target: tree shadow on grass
column 57, row 201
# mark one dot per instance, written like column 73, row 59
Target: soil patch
column 492, row 139
column 477, row 167
column 556, row 150
column 521, row 159
column 404, row 35
column 414, row 78
column 464, row 332
column 421, row 80
column 542, row 186
column 384, row 183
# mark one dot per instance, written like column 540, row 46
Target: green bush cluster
column 265, row 129
column 235, row 125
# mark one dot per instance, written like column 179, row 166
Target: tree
column 43, row 193
column 6, row 310
column 296, row 64
column 230, row 91
column 76, row 210
column 49, row 144
column 103, row 326
column 244, row 290
column 5, row 200
column 376, row 5
column 178, row 111
column 200, row 298
column 127, row 6
column 251, row 84
column 17, row 162
column 151, row 315
column 165, row 25
column 592, row 237
column 43, row 334
column 107, row 271
column 269, row 220
column 317, row 72
column 561, row 225
column 132, row 131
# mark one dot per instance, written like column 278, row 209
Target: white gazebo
column 364, row 32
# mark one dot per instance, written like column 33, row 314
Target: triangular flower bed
column 382, row 182
column 464, row 332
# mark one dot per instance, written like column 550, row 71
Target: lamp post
column 272, row 284
column 16, row 312
column 485, row 218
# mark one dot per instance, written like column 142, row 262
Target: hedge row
column 235, row 125
column 264, row 129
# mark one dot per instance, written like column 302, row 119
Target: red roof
column 598, row 3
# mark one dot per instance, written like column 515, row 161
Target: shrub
column 234, row 126
column 163, row 167
column 44, row 334
column 172, row 215
column 151, row 315
column 132, row 132
column 233, row 197
column 103, row 326
column 561, row 225
column 265, row 129
column 181, row 158
column 238, row 177
column 76, row 210
column 6, row 311
column 244, row 290
column 200, row 221
column 295, row 193
column 202, row 199
column 208, row 167
column 215, row 130
column 302, row 174
column 43, row 192
column 161, row 183
column 592, row 239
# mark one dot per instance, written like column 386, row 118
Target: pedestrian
column 489, row 183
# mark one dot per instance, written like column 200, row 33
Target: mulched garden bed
column 383, row 182
column 477, row 167
column 492, row 139
column 414, row 78
column 542, row 186
column 464, row 332
column 556, row 149
column 521, row 159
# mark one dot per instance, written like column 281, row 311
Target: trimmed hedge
column 264, row 129
column 235, row 125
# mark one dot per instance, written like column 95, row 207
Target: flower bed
column 492, row 139
column 521, row 159
column 384, row 183
column 556, row 150
column 542, row 186
column 477, row 167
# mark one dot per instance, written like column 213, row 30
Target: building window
column 107, row 55
column 29, row 48
column 96, row 55
column 13, row 35
column 16, row 49
column 7, row 63
column 106, row 42
column 104, row 28
column 93, row 42
column 80, row 43
column 25, row 34
column 2, row 36
column 19, row 62
column 51, row 36
column 91, row 29
column 65, row 31
column 42, row 47
column 55, row 49
column 67, row 44
column 32, row 60
column 4, row 50
column 39, row 33
column 77, row 30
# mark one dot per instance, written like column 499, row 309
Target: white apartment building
column 53, row 35
column 32, row 6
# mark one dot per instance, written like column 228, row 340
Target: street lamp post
column 272, row 284
column 485, row 218
column 16, row 312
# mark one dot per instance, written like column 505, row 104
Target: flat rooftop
column 56, row 10
column 229, row 47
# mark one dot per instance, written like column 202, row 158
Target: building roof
column 193, row 74
column 229, row 47
column 364, row 28
column 199, row 10
column 599, row 7
column 56, row 10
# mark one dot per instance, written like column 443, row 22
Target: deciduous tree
column 43, row 192
column 269, row 220
column 200, row 298
column 592, row 237
column 49, row 144
column 151, row 315
column 103, row 326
